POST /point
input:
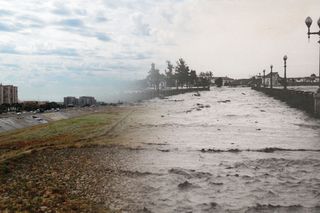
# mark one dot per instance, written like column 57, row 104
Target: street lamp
column 271, row 66
column 264, row 78
column 308, row 22
column 285, row 71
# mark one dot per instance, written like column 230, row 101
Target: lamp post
column 264, row 78
column 308, row 22
column 271, row 66
column 285, row 71
column 260, row 82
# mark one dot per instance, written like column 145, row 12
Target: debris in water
column 145, row 209
column 197, row 94
column 225, row 101
column 219, row 150
column 163, row 150
column 177, row 100
column 218, row 184
column 185, row 185
column 213, row 204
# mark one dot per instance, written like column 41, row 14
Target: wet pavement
column 231, row 149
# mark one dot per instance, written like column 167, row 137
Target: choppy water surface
column 231, row 149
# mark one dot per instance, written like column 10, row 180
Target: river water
column 231, row 149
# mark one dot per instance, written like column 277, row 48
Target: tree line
column 29, row 106
column 177, row 76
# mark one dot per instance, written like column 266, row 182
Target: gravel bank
column 69, row 180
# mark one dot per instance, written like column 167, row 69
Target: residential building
column 226, row 81
column 240, row 82
column 276, row 80
column 303, row 81
column 70, row 101
column 87, row 101
column 255, row 81
column 8, row 94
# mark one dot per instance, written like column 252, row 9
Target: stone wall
column 317, row 104
column 298, row 99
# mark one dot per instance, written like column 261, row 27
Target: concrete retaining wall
column 317, row 104
column 299, row 99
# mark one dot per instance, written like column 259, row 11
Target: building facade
column 303, row 81
column 87, row 101
column 70, row 101
column 276, row 80
column 226, row 81
column 8, row 94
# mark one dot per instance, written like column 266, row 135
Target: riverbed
column 229, row 149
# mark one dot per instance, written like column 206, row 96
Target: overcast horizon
column 51, row 49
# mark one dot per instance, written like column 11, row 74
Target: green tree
column 205, row 78
column 170, row 77
column 193, row 78
column 182, row 72
column 154, row 77
column 219, row 82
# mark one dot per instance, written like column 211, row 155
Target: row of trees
column 178, row 76
column 29, row 106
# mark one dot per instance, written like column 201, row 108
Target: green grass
column 27, row 193
column 77, row 131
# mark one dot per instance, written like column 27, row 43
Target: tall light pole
column 308, row 22
column 271, row 66
column 285, row 71
column 264, row 78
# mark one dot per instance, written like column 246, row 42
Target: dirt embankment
column 52, row 167
column 17, row 121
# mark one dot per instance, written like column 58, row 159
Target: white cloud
column 66, row 42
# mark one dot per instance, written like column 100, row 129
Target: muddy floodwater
column 231, row 149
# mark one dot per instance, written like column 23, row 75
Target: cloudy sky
column 53, row 48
